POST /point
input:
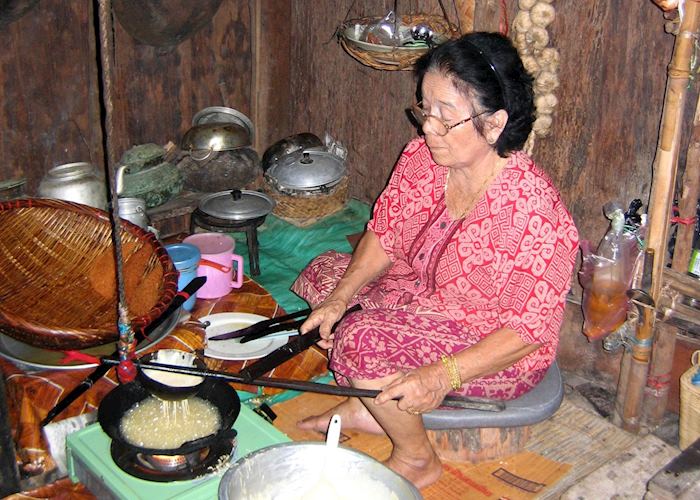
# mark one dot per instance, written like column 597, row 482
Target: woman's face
column 462, row 146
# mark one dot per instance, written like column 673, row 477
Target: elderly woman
column 464, row 267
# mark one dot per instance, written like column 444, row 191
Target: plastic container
column 186, row 259
column 217, row 264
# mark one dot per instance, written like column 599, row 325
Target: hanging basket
column 391, row 58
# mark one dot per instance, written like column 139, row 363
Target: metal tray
column 30, row 358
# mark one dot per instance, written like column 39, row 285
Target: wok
column 123, row 397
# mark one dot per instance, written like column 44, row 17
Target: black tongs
column 265, row 327
column 295, row 346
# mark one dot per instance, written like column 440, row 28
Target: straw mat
column 560, row 452
column 580, row 438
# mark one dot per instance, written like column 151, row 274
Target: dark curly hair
column 487, row 66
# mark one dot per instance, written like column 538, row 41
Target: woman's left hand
column 420, row 390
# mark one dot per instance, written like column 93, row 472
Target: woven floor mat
column 580, row 438
column 525, row 475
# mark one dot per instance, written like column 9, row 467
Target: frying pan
column 119, row 400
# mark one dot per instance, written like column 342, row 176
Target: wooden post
column 664, row 169
column 465, row 14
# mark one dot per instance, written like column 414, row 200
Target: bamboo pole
column 661, row 199
column 690, row 192
column 658, row 382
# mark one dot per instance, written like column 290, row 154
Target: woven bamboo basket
column 689, row 424
column 305, row 209
column 392, row 58
column 57, row 274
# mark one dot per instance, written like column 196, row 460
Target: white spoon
column 333, row 434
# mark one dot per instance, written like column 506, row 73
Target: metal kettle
column 79, row 182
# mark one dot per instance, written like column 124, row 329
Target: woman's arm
column 369, row 260
column 424, row 388
column 498, row 351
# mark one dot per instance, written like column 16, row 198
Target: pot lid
column 237, row 205
column 307, row 170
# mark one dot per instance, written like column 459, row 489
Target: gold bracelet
column 450, row 363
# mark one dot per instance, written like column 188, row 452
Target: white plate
column 232, row 349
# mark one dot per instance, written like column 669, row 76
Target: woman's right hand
column 324, row 316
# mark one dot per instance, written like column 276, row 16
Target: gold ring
column 411, row 411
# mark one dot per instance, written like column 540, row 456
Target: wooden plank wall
column 279, row 62
column 50, row 95
column 158, row 90
column 362, row 107
column 49, row 108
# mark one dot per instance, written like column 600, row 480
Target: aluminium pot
column 78, row 182
column 313, row 470
column 306, row 171
column 288, row 145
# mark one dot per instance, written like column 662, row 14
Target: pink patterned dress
column 507, row 264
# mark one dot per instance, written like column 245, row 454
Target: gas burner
column 166, row 468
column 222, row 225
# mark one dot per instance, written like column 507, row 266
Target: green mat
column 285, row 249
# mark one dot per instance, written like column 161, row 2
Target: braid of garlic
column 532, row 40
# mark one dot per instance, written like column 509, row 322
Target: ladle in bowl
column 167, row 385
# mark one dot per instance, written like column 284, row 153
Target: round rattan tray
column 392, row 58
column 57, row 275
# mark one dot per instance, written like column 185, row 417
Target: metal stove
column 249, row 227
column 90, row 462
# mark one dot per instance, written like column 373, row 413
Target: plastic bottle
column 605, row 298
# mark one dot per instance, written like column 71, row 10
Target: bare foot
column 421, row 472
column 353, row 415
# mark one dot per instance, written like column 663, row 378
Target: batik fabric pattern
column 506, row 264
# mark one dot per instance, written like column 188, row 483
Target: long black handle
column 102, row 369
column 290, row 325
column 306, row 386
column 260, row 326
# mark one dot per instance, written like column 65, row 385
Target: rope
column 127, row 342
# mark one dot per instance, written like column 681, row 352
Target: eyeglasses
column 439, row 126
